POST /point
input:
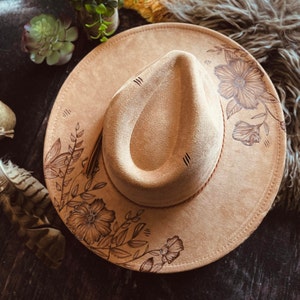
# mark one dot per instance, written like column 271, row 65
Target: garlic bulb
column 7, row 121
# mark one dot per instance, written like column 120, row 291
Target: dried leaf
column 53, row 152
column 58, row 186
column 73, row 203
column 87, row 196
column 60, row 161
column 115, row 226
column 125, row 225
column 147, row 265
column 136, row 254
column 66, row 182
column 155, row 252
column 71, row 150
column 121, row 237
column 88, row 185
column 259, row 116
column 99, row 185
column 50, row 173
column 74, row 190
column 105, row 242
column 232, row 108
column 65, row 196
column 120, row 253
column 128, row 215
column 72, row 138
column 138, row 228
column 135, row 219
column 140, row 212
column 76, row 154
column 80, row 133
column 266, row 128
column 70, row 170
column 137, row 243
column 84, row 162
column 79, row 144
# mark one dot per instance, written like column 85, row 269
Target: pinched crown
column 163, row 132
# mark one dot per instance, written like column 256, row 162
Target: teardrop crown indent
column 163, row 132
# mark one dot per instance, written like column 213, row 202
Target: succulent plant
column 46, row 37
column 99, row 17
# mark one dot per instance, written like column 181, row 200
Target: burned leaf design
column 120, row 253
column 138, row 228
column 147, row 265
column 232, row 108
column 89, row 217
column 137, row 243
column 53, row 152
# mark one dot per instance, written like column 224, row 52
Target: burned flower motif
column 242, row 82
column 90, row 222
column 246, row 133
column 46, row 37
column 171, row 250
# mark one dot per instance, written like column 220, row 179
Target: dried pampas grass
column 270, row 31
column 25, row 201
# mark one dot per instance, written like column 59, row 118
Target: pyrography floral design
column 167, row 253
column 242, row 84
column 91, row 220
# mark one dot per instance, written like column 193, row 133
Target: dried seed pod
column 7, row 121
column 25, row 201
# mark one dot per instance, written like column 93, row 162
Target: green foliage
column 95, row 15
column 50, row 39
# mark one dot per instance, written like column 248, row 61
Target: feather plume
column 26, row 201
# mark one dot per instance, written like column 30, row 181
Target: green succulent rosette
column 50, row 39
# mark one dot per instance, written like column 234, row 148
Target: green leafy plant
column 50, row 39
column 97, row 17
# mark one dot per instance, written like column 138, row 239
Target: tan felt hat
column 165, row 148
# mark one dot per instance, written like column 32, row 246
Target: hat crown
column 162, row 134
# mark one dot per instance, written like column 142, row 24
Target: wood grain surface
column 265, row 266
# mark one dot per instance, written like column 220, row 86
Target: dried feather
column 36, row 197
column 25, row 201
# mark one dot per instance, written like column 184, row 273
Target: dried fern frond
column 25, row 201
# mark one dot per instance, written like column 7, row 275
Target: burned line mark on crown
column 267, row 143
column 66, row 113
column 139, row 81
column 186, row 159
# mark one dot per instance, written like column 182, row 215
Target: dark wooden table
column 266, row 266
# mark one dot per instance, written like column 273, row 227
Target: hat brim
column 231, row 205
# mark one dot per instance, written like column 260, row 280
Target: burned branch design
column 89, row 218
column 61, row 166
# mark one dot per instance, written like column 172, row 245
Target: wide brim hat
column 152, row 223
